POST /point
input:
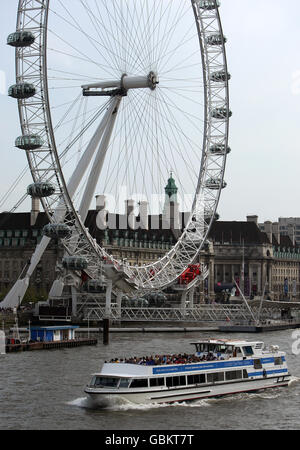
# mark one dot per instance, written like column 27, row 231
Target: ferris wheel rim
column 165, row 266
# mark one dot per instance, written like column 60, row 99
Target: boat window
column 196, row 379
column 257, row 364
column 233, row 375
column 139, row 383
column 157, row 382
column 229, row 349
column 175, row 381
column 124, row 383
column 248, row 350
column 105, row 382
column 237, row 352
column 214, row 377
column 213, row 348
column 204, row 347
column 278, row 361
column 245, row 374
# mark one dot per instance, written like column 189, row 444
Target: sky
column 262, row 173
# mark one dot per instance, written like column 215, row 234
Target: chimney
column 291, row 233
column 253, row 219
column 268, row 230
column 35, row 209
column 276, row 231
column 171, row 216
column 143, row 209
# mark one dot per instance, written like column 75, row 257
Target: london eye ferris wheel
column 115, row 93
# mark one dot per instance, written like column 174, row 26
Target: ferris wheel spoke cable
column 169, row 53
column 134, row 47
column 168, row 34
column 115, row 54
column 181, row 66
column 82, row 57
column 143, row 131
column 166, row 115
column 171, row 103
column 122, row 131
column 129, row 158
column 113, row 36
column 94, row 42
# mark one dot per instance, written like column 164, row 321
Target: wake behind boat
column 218, row 367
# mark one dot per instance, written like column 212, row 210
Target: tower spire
column 171, row 189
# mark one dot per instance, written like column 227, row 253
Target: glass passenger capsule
column 215, row 184
column 22, row 90
column 219, row 149
column 40, row 190
column 208, row 4
column 75, row 263
column 216, row 39
column 21, row 39
column 221, row 113
column 220, row 76
column 29, row 142
column 57, row 230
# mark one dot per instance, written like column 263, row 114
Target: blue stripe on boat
column 269, row 372
column 210, row 366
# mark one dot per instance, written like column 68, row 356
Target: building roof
column 21, row 221
column 237, row 233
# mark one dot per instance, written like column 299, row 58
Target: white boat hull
column 177, row 395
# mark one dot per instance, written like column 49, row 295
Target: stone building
column 286, row 226
column 258, row 261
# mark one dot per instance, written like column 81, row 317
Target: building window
column 15, row 242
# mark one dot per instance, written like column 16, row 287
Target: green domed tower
column 171, row 190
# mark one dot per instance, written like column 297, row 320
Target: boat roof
column 235, row 342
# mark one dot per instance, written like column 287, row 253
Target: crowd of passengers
column 159, row 360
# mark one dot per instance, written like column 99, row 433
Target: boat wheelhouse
column 218, row 367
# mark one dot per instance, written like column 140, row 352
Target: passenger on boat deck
column 159, row 360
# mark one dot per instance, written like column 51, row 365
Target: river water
column 43, row 390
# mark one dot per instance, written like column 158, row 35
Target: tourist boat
column 218, row 367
